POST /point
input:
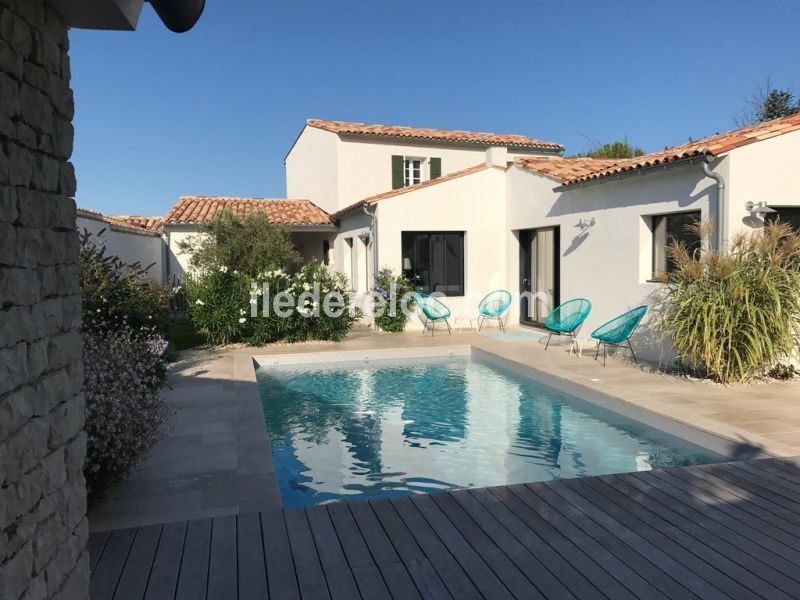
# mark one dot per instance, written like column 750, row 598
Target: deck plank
column 97, row 543
column 251, row 563
column 748, row 540
column 503, row 567
column 111, row 563
column 341, row 582
column 729, row 530
column 281, row 574
column 222, row 563
column 355, row 547
column 660, row 570
column 726, row 542
column 133, row 580
column 379, row 545
column 667, row 516
column 421, row 570
column 726, row 499
column 451, row 573
column 310, row 576
column 167, row 562
column 193, row 578
column 540, row 552
column 481, row 573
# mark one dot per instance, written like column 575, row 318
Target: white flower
column 236, row 272
column 223, row 269
column 175, row 290
column 304, row 311
column 259, row 292
column 307, row 287
column 253, row 301
column 242, row 312
column 199, row 302
column 242, row 320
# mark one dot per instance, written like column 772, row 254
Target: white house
column 464, row 213
column 534, row 221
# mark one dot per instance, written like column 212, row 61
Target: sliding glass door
column 539, row 273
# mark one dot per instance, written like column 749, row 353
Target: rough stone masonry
column 43, row 527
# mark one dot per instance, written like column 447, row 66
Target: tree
column 249, row 244
column 619, row 149
column 768, row 103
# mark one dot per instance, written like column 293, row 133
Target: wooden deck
column 719, row 531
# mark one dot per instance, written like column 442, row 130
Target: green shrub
column 221, row 302
column 734, row 315
column 218, row 300
column 113, row 291
column 393, row 289
column 124, row 366
column 306, row 320
column 249, row 244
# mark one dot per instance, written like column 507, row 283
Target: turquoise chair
column 433, row 309
column 493, row 306
column 567, row 318
column 618, row 331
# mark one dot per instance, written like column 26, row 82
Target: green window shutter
column 398, row 180
column 436, row 168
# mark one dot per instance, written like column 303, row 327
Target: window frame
column 462, row 263
column 793, row 218
column 657, row 274
column 408, row 181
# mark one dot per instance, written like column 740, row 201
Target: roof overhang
column 665, row 166
column 293, row 227
column 177, row 15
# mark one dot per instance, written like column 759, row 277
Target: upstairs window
column 412, row 171
column 668, row 229
column 434, row 261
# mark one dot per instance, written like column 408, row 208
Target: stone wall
column 43, row 527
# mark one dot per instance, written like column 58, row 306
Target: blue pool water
column 385, row 428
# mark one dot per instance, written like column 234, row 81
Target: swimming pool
column 356, row 430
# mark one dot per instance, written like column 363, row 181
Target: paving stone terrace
column 713, row 532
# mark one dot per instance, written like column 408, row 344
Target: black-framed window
column 787, row 214
column 434, row 261
column 674, row 227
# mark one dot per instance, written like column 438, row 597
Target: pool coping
column 259, row 445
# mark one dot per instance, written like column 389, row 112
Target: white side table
column 578, row 344
column 469, row 321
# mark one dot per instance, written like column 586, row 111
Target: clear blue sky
column 215, row 110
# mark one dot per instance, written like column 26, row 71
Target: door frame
column 525, row 237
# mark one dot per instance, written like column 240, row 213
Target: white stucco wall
column 610, row 262
column 766, row 171
column 130, row 246
column 349, row 228
column 472, row 204
column 334, row 172
column 312, row 168
column 365, row 165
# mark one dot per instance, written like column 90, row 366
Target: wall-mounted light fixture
column 586, row 223
column 758, row 208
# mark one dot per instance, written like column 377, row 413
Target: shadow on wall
column 617, row 195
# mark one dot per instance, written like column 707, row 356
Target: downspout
column 373, row 236
column 721, row 225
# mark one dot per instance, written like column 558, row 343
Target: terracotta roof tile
column 201, row 209
column 413, row 188
column 564, row 169
column 137, row 221
column 152, row 227
column 470, row 137
column 714, row 145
